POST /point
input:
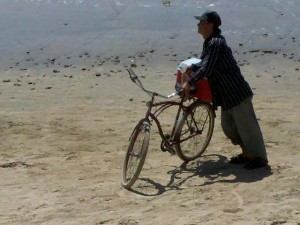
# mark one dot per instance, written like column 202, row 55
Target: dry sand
column 65, row 123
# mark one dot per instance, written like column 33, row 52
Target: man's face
column 205, row 28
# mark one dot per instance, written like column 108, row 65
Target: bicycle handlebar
column 135, row 79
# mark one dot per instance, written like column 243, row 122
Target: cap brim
column 203, row 17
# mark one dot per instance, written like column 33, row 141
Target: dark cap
column 211, row 17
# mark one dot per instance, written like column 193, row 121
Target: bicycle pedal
column 165, row 148
column 170, row 149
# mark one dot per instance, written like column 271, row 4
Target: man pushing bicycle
column 230, row 91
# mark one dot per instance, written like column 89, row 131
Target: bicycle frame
column 153, row 116
column 163, row 106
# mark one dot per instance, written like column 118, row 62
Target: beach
column 68, row 107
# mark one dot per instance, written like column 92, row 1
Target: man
column 230, row 91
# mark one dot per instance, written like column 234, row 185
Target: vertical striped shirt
column 229, row 87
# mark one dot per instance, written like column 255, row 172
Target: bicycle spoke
column 196, row 130
column 136, row 154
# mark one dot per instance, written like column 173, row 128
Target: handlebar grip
column 132, row 75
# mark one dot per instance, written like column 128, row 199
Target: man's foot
column 239, row 159
column 256, row 163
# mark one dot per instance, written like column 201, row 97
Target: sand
column 67, row 109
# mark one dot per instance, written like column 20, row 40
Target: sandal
column 239, row 159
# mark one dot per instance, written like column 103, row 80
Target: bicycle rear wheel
column 136, row 154
column 194, row 130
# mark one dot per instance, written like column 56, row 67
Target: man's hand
column 189, row 69
column 186, row 90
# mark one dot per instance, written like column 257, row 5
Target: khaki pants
column 240, row 125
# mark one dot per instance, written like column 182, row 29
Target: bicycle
column 189, row 138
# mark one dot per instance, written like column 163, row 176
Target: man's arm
column 205, row 67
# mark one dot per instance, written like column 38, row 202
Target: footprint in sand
column 239, row 207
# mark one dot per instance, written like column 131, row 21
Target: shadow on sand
column 211, row 169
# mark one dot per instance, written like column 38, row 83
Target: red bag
column 203, row 91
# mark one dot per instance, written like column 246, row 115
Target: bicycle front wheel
column 136, row 154
column 194, row 131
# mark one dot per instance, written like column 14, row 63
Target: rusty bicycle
column 188, row 138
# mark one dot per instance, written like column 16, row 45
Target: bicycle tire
column 194, row 147
column 136, row 154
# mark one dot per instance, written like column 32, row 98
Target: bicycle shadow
column 212, row 168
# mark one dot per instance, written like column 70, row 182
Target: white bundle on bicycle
column 201, row 90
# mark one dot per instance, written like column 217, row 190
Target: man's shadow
column 213, row 168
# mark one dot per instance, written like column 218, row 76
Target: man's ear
column 211, row 26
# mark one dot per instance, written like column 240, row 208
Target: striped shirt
column 228, row 86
